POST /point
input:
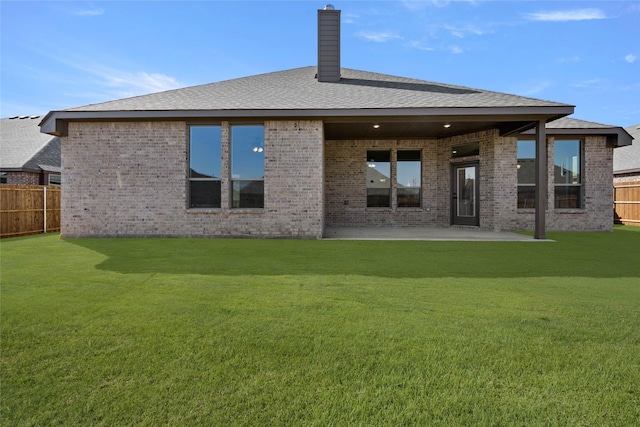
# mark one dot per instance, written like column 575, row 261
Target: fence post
column 44, row 188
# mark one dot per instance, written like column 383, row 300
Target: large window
column 526, row 174
column 205, row 168
column 408, row 178
column 378, row 179
column 567, row 156
column 247, row 167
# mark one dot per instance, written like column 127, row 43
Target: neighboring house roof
column 24, row 148
column 616, row 136
column 627, row 159
column 296, row 93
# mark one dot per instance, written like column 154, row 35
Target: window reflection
column 205, row 166
column 408, row 179
column 526, row 164
column 247, row 166
column 378, row 179
column 567, row 172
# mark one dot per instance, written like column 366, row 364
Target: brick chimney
column 328, row 44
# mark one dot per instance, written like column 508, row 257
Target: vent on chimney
column 328, row 44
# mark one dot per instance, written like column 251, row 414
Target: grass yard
column 110, row 332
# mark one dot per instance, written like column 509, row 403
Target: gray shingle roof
column 298, row 89
column 571, row 123
column 22, row 146
column 628, row 158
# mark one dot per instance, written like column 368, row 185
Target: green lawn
column 282, row 332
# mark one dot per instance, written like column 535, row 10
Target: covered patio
column 461, row 234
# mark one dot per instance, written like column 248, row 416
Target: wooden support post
column 541, row 181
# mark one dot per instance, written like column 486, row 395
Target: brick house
column 27, row 156
column 290, row 153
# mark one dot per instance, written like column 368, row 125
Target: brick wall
column 23, row 178
column 129, row 179
column 345, row 186
column 597, row 212
column 621, row 178
column 345, row 200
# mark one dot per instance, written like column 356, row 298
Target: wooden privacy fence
column 626, row 202
column 29, row 209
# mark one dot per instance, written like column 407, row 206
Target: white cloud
column 591, row 83
column 570, row 59
column 422, row 4
column 440, row 3
column 537, row 88
column 461, row 32
column 455, row 49
column 378, row 36
column 139, row 82
column 630, row 58
column 416, row 44
column 89, row 12
column 349, row 18
column 567, row 15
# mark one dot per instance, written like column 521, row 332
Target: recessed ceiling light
column 447, row 125
column 376, row 126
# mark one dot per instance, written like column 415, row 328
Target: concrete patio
column 469, row 234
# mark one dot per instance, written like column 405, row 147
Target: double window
column 245, row 167
column 567, row 174
column 407, row 175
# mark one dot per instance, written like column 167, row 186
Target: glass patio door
column 464, row 195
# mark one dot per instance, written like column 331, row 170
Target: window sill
column 569, row 211
column 203, row 210
column 249, row 211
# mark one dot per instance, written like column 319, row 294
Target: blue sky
column 57, row 55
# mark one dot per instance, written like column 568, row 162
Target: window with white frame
column 247, row 166
column 567, row 159
column 205, row 166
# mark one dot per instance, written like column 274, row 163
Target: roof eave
column 616, row 136
column 626, row 171
column 55, row 122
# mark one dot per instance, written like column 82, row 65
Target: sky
column 63, row 54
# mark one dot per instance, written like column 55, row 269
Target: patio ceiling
column 390, row 128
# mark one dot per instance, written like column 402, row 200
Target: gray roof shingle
column 298, row 89
column 571, row 123
column 628, row 158
column 22, row 146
